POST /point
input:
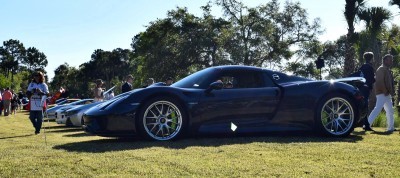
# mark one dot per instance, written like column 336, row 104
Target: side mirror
column 214, row 86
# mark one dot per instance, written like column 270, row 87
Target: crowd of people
column 10, row 101
column 100, row 94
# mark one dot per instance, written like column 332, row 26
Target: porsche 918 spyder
column 231, row 99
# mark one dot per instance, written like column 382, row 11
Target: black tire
column 335, row 116
column 161, row 119
column 82, row 121
column 68, row 123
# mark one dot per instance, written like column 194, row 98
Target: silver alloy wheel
column 337, row 116
column 162, row 120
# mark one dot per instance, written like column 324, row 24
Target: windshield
column 200, row 79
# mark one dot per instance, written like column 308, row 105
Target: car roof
column 239, row 67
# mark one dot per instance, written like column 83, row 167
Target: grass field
column 71, row 153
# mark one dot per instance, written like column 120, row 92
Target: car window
column 241, row 79
column 200, row 79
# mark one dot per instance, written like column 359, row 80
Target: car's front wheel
column 161, row 119
column 335, row 116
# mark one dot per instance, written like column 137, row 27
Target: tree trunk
column 349, row 58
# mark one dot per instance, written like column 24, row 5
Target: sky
column 69, row 31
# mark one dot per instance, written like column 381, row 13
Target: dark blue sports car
column 231, row 99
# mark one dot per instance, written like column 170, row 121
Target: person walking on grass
column 384, row 91
column 37, row 89
column 7, row 96
column 369, row 75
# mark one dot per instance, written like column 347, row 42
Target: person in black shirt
column 127, row 86
column 367, row 71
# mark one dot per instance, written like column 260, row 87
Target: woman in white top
column 37, row 91
column 98, row 91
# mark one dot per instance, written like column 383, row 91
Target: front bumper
column 110, row 123
column 61, row 119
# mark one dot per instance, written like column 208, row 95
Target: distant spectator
column 1, row 101
column 14, row 102
column 169, row 81
column 98, row 91
column 149, row 81
column 20, row 97
column 7, row 96
column 127, row 86
column 65, row 93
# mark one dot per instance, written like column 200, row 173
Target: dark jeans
column 36, row 119
column 365, row 92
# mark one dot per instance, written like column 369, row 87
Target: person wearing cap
column 37, row 91
column 127, row 86
column 98, row 91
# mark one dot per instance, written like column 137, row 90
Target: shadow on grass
column 120, row 144
column 18, row 136
column 66, row 129
column 385, row 133
column 52, row 127
column 81, row 134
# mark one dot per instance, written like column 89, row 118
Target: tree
column 34, row 59
column 265, row 35
column 13, row 52
column 178, row 45
column 374, row 18
column 352, row 8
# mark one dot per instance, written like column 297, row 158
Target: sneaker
column 37, row 132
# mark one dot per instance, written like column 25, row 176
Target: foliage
column 34, row 60
column 370, row 38
column 17, row 64
column 264, row 35
column 352, row 8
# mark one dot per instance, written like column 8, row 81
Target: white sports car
column 51, row 112
column 73, row 116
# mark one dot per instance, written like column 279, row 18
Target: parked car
column 74, row 116
column 50, row 113
column 62, row 101
column 232, row 99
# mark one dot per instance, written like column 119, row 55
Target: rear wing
column 355, row 81
column 350, row 79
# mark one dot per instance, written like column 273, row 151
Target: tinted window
column 241, row 79
column 200, row 79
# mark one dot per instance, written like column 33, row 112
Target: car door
column 247, row 101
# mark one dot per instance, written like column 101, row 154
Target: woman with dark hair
column 37, row 91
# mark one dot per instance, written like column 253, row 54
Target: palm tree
column 374, row 19
column 352, row 8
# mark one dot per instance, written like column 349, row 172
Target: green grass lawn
column 71, row 153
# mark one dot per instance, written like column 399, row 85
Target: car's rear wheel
column 335, row 116
column 161, row 119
